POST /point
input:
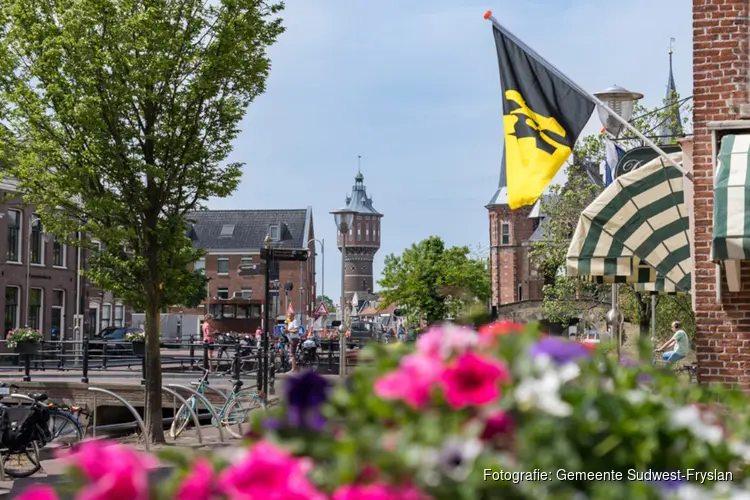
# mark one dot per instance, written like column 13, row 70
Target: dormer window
column 227, row 230
column 274, row 230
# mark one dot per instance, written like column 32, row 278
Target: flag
column 290, row 309
column 613, row 155
column 543, row 116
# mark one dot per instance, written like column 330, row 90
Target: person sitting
column 680, row 342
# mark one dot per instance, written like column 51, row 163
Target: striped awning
column 645, row 279
column 731, row 236
column 639, row 219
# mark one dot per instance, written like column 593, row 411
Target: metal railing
column 227, row 358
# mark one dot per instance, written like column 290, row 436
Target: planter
column 27, row 348
column 139, row 349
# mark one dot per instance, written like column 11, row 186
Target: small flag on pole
column 290, row 309
column 613, row 155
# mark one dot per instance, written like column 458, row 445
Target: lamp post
column 323, row 265
column 32, row 221
column 622, row 102
column 344, row 219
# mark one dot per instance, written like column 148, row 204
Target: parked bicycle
column 24, row 430
column 306, row 355
column 232, row 414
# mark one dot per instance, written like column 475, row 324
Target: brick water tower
column 363, row 241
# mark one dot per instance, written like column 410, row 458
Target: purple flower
column 625, row 361
column 273, row 424
column 305, row 394
column 559, row 350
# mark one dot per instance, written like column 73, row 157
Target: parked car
column 361, row 332
column 114, row 337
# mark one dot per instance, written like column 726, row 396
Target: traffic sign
column 283, row 254
column 321, row 310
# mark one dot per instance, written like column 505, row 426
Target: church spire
column 671, row 128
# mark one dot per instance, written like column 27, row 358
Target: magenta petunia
column 378, row 491
column 412, row 382
column 473, row 380
column 497, row 424
column 39, row 493
column 199, row 483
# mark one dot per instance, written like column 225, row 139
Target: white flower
column 545, row 365
column 740, row 449
column 688, row 417
column 457, row 456
column 543, row 394
column 718, row 491
column 635, row 397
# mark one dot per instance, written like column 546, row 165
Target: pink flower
column 489, row 333
column 269, row 472
column 378, row 491
column 473, row 380
column 497, row 424
column 114, row 471
column 446, row 340
column 39, row 493
column 198, row 485
column 412, row 382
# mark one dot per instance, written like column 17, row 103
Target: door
column 93, row 321
column 57, row 324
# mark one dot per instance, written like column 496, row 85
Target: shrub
column 23, row 335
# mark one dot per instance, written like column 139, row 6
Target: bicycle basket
column 19, row 426
column 309, row 344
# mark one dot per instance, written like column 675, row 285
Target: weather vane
column 671, row 43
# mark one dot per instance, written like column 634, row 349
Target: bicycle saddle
column 38, row 397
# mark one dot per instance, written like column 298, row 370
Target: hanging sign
column 637, row 157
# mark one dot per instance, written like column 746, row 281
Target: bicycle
column 681, row 370
column 65, row 424
column 20, row 441
column 234, row 412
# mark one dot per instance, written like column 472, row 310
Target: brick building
column 514, row 277
column 49, row 302
column 721, row 122
column 232, row 240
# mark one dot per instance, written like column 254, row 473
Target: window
column 59, row 254
column 505, row 233
column 375, row 233
column 255, row 311
column 227, row 230
column 367, row 233
column 57, row 321
column 359, row 232
column 242, row 312
column 275, row 232
column 14, row 237
column 37, row 242
column 222, row 293
column 227, row 311
column 200, row 265
column 106, row 315
column 520, row 293
column 119, row 313
column 12, row 308
column 222, row 265
column 247, row 293
column 36, row 297
column 246, row 261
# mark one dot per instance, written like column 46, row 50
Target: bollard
column 192, row 351
column 237, row 361
column 85, row 378
column 205, row 356
column 27, row 367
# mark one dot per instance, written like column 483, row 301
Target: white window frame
column 105, row 322
column 64, row 252
column 61, row 333
column 221, row 290
column 18, row 307
column 222, row 259
column 243, row 290
column 19, row 249
column 246, row 261
column 274, row 228
column 200, row 264
column 119, row 322
column 42, row 243
column 503, row 225
column 40, row 326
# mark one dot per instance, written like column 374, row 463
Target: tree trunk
column 153, row 410
column 644, row 316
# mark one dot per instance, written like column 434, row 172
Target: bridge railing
column 235, row 358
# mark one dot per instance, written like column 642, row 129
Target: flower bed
column 505, row 412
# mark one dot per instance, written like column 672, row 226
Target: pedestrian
column 680, row 342
column 208, row 337
column 258, row 336
column 293, row 334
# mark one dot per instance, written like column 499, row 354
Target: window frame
column 16, row 311
column 40, row 318
column 105, row 321
column 36, row 230
column 119, row 322
column 505, row 225
column 200, row 265
column 63, row 254
column 250, row 290
column 274, row 229
column 18, row 237
column 219, row 261
column 222, row 290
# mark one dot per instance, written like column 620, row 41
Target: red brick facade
column 720, row 75
column 513, row 277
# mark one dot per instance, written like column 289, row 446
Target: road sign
column 321, row 310
column 296, row 254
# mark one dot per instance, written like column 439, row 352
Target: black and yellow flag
column 542, row 116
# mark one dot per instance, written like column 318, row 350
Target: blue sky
column 413, row 87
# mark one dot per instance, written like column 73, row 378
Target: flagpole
column 488, row 15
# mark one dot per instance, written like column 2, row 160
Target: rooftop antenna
column 359, row 164
column 671, row 44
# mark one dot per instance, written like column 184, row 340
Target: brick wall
column 720, row 62
column 507, row 262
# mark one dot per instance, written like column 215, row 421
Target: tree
column 327, row 301
column 434, row 282
column 572, row 297
column 119, row 116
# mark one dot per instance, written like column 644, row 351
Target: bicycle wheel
column 236, row 413
column 311, row 362
column 181, row 419
column 22, row 463
column 64, row 427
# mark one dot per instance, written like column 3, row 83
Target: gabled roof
column 250, row 228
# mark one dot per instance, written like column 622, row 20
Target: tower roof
column 672, row 126
column 501, row 195
column 358, row 201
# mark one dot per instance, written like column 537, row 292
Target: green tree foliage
column 566, row 297
column 119, row 115
column 434, row 282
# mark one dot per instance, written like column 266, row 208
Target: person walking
column 679, row 341
column 208, row 337
column 293, row 334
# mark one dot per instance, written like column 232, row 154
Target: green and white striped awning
column 645, row 279
column 639, row 219
column 731, row 236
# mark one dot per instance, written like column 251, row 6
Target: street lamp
column 619, row 100
column 622, row 102
column 34, row 220
column 323, row 264
column 344, row 219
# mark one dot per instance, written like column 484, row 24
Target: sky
column 413, row 88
